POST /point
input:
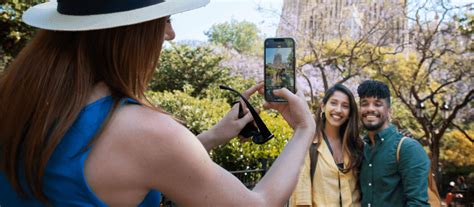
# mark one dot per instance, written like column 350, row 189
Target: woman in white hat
column 76, row 129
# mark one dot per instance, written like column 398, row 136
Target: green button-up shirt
column 387, row 182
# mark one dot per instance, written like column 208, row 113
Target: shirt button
column 370, row 165
column 382, row 139
column 370, row 184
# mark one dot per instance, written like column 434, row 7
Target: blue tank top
column 64, row 182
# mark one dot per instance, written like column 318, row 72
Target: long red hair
column 47, row 85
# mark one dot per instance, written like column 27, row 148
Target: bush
column 456, row 149
column 14, row 34
column 194, row 112
column 199, row 114
column 182, row 65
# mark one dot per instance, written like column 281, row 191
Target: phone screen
column 279, row 61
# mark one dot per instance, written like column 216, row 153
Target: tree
column 201, row 113
column 457, row 149
column 340, row 43
column 339, row 60
column 428, row 67
column 14, row 34
column 242, row 36
column 180, row 65
column 466, row 25
column 434, row 78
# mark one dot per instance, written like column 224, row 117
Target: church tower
column 328, row 19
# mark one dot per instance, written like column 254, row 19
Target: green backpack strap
column 313, row 156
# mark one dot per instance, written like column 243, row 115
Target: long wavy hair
column 351, row 142
column 47, row 85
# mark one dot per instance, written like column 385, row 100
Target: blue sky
column 191, row 25
column 284, row 52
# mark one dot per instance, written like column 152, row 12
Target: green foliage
column 180, row 65
column 4, row 60
column 341, row 61
column 237, row 83
column 14, row 34
column 401, row 116
column 239, row 156
column 199, row 114
column 241, row 36
column 466, row 24
column 196, row 113
column 246, row 154
column 406, row 76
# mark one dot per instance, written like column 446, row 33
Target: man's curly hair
column 373, row 88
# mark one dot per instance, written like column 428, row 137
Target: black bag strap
column 313, row 156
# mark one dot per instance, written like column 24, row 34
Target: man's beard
column 375, row 127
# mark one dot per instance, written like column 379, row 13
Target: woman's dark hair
column 373, row 88
column 351, row 142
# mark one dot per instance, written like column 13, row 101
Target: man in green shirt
column 385, row 181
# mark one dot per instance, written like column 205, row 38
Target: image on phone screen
column 279, row 67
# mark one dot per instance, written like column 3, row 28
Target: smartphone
column 279, row 67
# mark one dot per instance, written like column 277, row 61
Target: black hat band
column 94, row 7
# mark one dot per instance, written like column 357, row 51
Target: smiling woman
column 338, row 156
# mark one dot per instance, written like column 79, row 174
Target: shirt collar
column 383, row 135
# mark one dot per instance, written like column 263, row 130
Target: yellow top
column 325, row 191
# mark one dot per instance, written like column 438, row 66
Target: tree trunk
column 324, row 77
column 310, row 87
column 434, row 148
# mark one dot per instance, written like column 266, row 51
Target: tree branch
column 464, row 132
column 441, row 87
column 467, row 99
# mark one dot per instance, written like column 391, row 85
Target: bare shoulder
column 136, row 146
column 149, row 133
column 141, row 149
column 141, row 121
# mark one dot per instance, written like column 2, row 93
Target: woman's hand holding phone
column 279, row 67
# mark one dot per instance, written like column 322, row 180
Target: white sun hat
column 83, row 15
